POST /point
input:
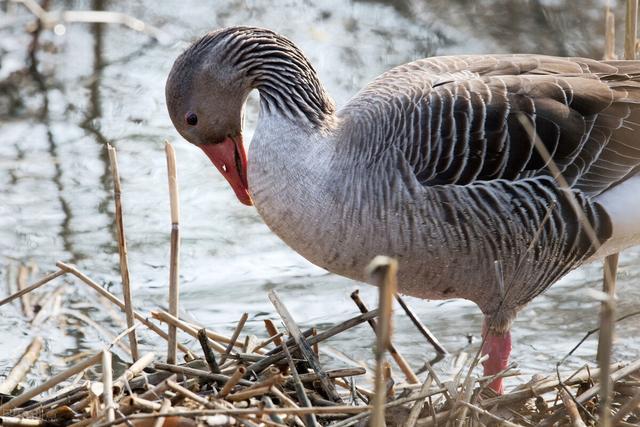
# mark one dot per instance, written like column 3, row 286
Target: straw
column 163, row 316
column 122, row 249
column 24, row 365
column 422, row 328
column 414, row 413
column 25, row 300
column 46, row 279
column 605, row 337
column 395, row 353
column 310, row 419
column 198, row 373
column 108, row 295
column 234, row 337
column 609, row 34
column 341, row 327
column 272, row 330
column 208, row 354
column 133, row 370
column 164, row 408
column 304, row 346
column 382, row 273
column 107, row 381
column 233, row 380
column 174, row 291
column 631, row 25
column 56, row 379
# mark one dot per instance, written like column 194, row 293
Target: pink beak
column 231, row 160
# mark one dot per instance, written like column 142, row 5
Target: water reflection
column 91, row 122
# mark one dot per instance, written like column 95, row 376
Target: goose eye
column 191, row 119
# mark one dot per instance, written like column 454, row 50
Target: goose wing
column 463, row 119
column 496, row 140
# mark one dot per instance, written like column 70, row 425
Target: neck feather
column 273, row 65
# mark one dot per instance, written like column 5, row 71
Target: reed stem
column 174, row 291
column 122, row 250
column 107, row 381
column 24, row 365
column 605, row 337
column 631, row 29
column 55, row 380
column 108, row 295
column 609, row 34
column 46, row 279
column 382, row 273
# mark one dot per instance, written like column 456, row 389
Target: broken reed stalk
column 272, row 330
column 273, row 339
column 218, row 338
column 500, row 420
column 605, row 337
column 214, row 367
column 234, row 337
column 164, row 408
column 631, row 29
column 66, row 268
column 278, row 354
column 102, row 331
column 25, row 300
column 609, row 34
column 331, row 410
column 233, row 380
column 422, row 328
column 286, row 401
column 24, row 365
column 399, row 358
column 190, row 395
column 414, row 413
column 572, row 409
column 304, row 346
column 163, row 316
column 132, row 371
column 382, row 273
column 198, row 373
column 593, row 391
column 174, row 292
column 56, row 379
column 20, row 422
column 107, row 382
column 122, row 250
column 310, row 418
column 46, row 279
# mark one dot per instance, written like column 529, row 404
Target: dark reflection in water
column 44, row 116
column 99, row 84
column 91, row 121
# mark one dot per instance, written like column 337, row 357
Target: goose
column 488, row 177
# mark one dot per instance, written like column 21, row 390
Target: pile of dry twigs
column 279, row 380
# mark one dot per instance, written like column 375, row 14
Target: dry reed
column 122, row 250
column 174, row 291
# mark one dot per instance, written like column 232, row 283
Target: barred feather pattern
column 287, row 82
column 435, row 163
column 465, row 128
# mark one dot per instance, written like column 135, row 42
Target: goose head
column 209, row 84
column 205, row 97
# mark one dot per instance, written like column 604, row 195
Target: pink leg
column 498, row 347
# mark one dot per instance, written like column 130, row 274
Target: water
column 106, row 84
